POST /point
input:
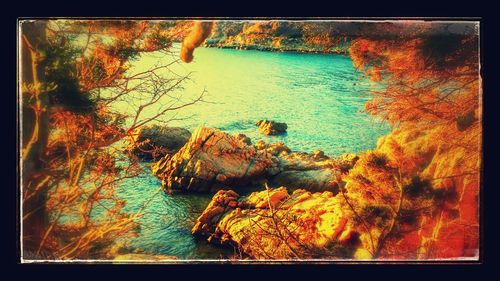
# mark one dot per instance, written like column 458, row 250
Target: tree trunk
column 34, row 135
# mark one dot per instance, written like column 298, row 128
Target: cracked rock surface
column 213, row 160
column 276, row 224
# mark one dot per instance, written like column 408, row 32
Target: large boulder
column 213, row 159
column 154, row 142
column 271, row 127
column 273, row 224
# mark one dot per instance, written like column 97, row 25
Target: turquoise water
column 319, row 96
column 165, row 227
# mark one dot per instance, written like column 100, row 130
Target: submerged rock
column 273, row 224
column 154, row 142
column 210, row 159
column 271, row 127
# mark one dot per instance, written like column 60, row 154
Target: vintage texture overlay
column 249, row 140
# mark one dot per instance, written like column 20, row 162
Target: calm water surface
column 319, row 96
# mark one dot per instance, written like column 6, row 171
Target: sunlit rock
column 271, row 127
column 347, row 161
column 223, row 201
column 319, row 155
column 244, row 139
column 212, row 158
column 275, row 149
column 273, row 224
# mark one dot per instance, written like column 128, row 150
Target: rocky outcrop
column 213, row 159
column 307, row 36
column 244, row 139
column 273, row 224
column 222, row 202
column 154, row 142
column 271, row 128
column 276, row 149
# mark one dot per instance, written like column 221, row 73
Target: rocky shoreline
column 303, row 205
column 269, row 48
column 304, row 186
column 407, row 199
column 277, row 36
column 276, row 224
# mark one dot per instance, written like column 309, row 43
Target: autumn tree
column 416, row 195
column 429, row 165
column 74, row 76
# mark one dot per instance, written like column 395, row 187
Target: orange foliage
column 431, row 95
column 80, row 166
